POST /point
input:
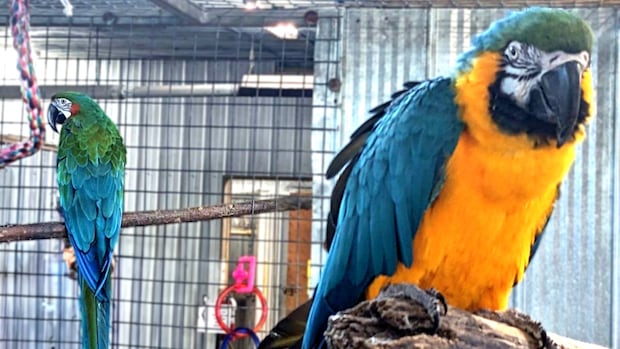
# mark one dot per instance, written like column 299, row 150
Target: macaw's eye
column 583, row 61
column 63, row 102
column 512, row 51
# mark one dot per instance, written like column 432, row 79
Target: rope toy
column 20, row 19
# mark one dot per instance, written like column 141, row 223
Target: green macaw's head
column 537, row 89
column 67, row 104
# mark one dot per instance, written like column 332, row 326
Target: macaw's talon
column 442, row 301
column 423, row 308
column 68, row 255
column 400, row 310
column 524, row 322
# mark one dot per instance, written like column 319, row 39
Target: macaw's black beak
column 55, row 116
column 556, row 99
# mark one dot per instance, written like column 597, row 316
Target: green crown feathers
column 547, row 29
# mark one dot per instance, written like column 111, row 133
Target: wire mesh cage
column 219, row 103
column 214, row 113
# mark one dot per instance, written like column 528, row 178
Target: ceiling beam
column 184, row 9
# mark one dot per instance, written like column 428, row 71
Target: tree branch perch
column 10, row 138
column 56, row 230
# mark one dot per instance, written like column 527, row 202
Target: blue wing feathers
column 391, row 185
column 78, row 177
column 88, row 206
column 113, row 224
column 100, row 224
column 71, row 164
column 105, row 186
column 90, row 275
column 80, row 227
column 93, row 209
column 66, row 196
column 388, row 254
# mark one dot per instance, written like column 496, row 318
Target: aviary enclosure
column 231, row 111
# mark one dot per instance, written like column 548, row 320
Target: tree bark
column 397, row 322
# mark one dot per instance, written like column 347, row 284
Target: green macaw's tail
column 95, row 316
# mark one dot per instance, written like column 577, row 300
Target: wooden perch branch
column 56, row 230
column 10, row 138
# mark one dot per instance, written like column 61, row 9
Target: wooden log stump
column 395, row 321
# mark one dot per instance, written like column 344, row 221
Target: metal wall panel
column 572, row 284
column 180, row 151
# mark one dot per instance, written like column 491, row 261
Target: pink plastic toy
column 244, row 283
column 244, row 279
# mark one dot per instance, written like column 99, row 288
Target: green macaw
column 90, row 174
column 450, row 185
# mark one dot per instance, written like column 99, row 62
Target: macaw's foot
column 399, row 311
column 524, row 322
column 420, row 308
column 68, row 255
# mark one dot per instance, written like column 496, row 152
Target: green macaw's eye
column 63, row 103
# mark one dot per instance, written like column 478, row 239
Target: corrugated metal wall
column 180, row 151
column 572, row 284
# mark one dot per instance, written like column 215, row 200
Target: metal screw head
column 109, row 18
column 334, row 84
column 311, row 17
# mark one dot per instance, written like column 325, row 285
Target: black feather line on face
column 513, row 119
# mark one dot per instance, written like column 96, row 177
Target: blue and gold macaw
column 450, row 185
column 90, row 174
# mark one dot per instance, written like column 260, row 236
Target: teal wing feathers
column 349, row 155
column 391, row 182
column 288, row 332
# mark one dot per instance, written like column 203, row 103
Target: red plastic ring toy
column 229, row 329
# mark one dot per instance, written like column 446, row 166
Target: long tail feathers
column 289, row 332
column 95, row 316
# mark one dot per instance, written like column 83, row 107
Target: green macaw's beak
column 55, row 116
column 556, row 99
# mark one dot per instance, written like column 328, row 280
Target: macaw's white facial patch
column 63, row 105
column 524, row 65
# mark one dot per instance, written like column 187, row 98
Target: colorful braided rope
column 20, row 19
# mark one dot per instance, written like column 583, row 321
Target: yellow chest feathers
column 474, row 242
column 502, row 166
